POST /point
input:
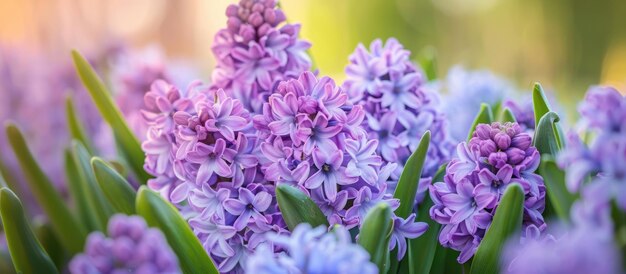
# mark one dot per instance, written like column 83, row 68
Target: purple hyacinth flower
column 256, row 50
column 403, row 229
column 496, row 156
column 130, row 247
column 309, row 250
column 330, row 173
column 211, row 160
column 363, row 159
column 248, row 206
column 398, row 105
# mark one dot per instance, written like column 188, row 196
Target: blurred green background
column 565, row 44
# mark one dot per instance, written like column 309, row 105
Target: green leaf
column 410, row 177
column 507, row 116
column 99, row 206
column 161, row 214
column 546, row 137
column 554, row 178
column 49, row 242
column 375, row 234
column 69, row 231
column 506, row 222
column 79, row 193
column 26, row 252
column 115, row 187
column 298, row 208
column 75, row 126
column 131, row 148
column 421, row 250
column 484, row 116
column 540, row 103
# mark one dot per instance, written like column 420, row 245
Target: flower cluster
column 586, row 245
column 312, row 139
column 314, row 251
column 466, row 91
column 203, row 157
column 131, row 247
column 256, row 50
column 497, row 155
column 603, row 113
column 399, row 106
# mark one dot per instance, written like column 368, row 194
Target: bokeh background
column 567, row 45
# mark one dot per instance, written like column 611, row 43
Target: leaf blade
column 546, row 138
column 540, row 103
column 71, row 233
column 298, row 208
column 506, row 221
column 422, row 250
column 115, row 187
column 159, row 213
column 377, row 223
column 554, row 179
column 410, row 177
column 112, row 115
column 27, row 254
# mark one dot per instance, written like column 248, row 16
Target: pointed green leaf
column 26, row 252
column 545, row 134
column 507, row 116
column 540, row 103
column 410, row 177
column 79, row 194
column 8, row 178
column 506, row 222
column 116, row 189
column 99, row 205
column 75, row 126
column 375, row 234
column 131, row 148
column 421, row 250
column 161, row 214
column 71, row 233
column 298, row 208
column 484, row 116
column 554, row 178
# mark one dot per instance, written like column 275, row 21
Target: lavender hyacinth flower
column 256, row 50
column 204, row 156
column 312, row 251
column 399, row 106
column 603, row 114
column 465, row 202
column 312, row 138
column 131, row 247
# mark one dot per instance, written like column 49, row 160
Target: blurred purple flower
column 464, row 203
column 255, row 51
column 399, row 107
column 603, row 116
column 466, row 91
column 309, row 250
column 131, row 247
